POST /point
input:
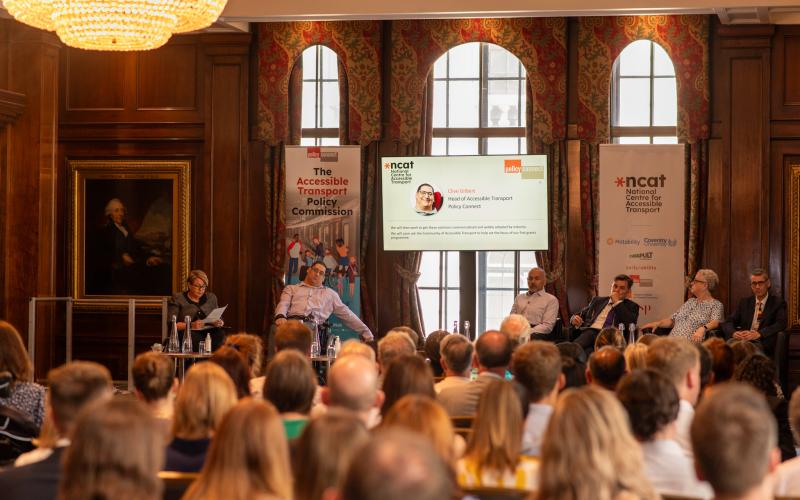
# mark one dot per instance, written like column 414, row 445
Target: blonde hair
column 353, row 346
column 13, row 356
column 636, row 356
column 424, row 416
column 589, row 432
column 248, row 458
column 116, row 452
column 496, row 438
column 206, row 395
column 251, row 347
column 197, row 274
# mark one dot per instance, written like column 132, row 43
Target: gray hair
column 113, row 202
column 712, row 280
column 760, row 271
column 517, row 327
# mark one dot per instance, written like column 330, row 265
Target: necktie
column 609, row 318
column 757, row 315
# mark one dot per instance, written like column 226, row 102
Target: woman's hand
column 652, row 325
column 196, row 325
column 218, row 323
column 699, row 334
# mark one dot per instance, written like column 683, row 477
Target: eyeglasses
column 426, row 194
column 198, row 287
column 315, row 270
column 697, row 281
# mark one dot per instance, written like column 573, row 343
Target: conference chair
column 17, row 433
column 781, row 359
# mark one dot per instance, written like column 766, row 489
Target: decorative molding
column 794, row 246
column 12, row 105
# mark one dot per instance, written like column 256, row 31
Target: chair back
column 17, row 433
column 484, row 493
column 176, row 483
column 462, row 421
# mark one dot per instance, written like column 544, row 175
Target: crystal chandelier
column 116, row 24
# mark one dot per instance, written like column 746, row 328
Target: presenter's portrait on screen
column 426, row 200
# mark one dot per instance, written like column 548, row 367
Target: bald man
column 353, row 385
column 539, row 307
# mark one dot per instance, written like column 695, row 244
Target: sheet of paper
column 213, row 316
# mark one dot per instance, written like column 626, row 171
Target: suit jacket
column 37, row 481
column 462, row 400
column 773, row 317
column 626, row 311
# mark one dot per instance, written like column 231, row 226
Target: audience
column 787, row 477
column 252, row 348
column 353, row 385
column 423, row 415
column 20, row 393
column 354, row 346
column 323, row 452
column 589, row 452
column 206, row 395
column 537, row 367
column 722, row 363
column 734, row 439
column 156, row 385
column 573, row 364
column 235, row 365
column 391, row 347
column 293, row 334
column 493, row 457
column 432, row 351
column 407, row 374
column 652, row 405
column 606, row 367
column 397, row 465
column 456, row 360
column 609, row 336
column 679, row 361
column 517, row 327
column 116, row 452
column 419, row 343
column 492, row 354
column 648, row 338
column 706, row 368
column 742, row 349
column 759, row 371
column 72, row 387
column 635, row 356
column 291, row 385
column 249, row 457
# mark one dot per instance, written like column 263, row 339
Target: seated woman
column 19, row 392
column 253, row 350
column 235, row 365
column 408, row 374
column 197, row 303
column 493, row 457
column 204, row 398
column 609, row 336
column 290, row 386
column 156, row 385
column 697, row 315
column 249, row 458
column 588, row 451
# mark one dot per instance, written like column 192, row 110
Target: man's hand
column 367, row 337
column 280, row 321
column 699, row 334
column 751, row 335
column 739, row 334
column 576, row 320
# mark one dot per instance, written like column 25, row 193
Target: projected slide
column 465, row 202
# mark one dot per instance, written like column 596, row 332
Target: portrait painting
column 130, row 229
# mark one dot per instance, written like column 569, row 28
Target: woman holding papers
column 198, row 303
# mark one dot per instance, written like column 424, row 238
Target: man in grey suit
column 492, row 357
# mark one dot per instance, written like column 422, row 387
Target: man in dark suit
column 606, row 311
column 759, row 317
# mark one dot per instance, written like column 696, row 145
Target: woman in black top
column 196, row 302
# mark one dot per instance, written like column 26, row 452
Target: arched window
column 320, row 108
column 479, row 104
column 644, row 104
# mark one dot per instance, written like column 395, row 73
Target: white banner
column 641, row 230
column 323, row 210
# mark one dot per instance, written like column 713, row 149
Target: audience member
column 456, row 360
column 706, row 365
column 391, row 347
column 652, row 405
column 606, row 367
column 397, row 465
column 21, row 393
column 252, row 348
column 734, row 440
column 353, row 385
column 787, row 477
column 293, row 334
column 72, row 387
column 354, row 346
column 423, row 415
column 635, row 356
column 407, row 374
column 206, row 395
column 573, row 364
column 742, row 349
column 679, row 361
column 589, row 451
column 116, row 452
column 517, row 327
column 722, row 363
column 493, row 354
column 290, row 386
column 433, row 351
column 156, row 385
column 323, row 452
column 537, row 367
column 419, row 343
column 759, row 371
column 249, row 457
column 648, row 338
column 609, row 335
column 235, row 365
column 493, row 457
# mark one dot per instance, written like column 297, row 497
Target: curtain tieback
column 406, row 275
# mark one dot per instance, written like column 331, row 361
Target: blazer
column 773, row 317
column 35, row 481
column 626, row 311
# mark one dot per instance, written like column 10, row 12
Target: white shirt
column 539, row 308
column 787, row 478
column 683, row 426
column 670, row 471
column 452, row 381
column 601, row 318
column 755, row 324
column 319, row 302
column 535, row 425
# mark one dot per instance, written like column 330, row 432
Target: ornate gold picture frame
column 794, row 246
column 129, row 234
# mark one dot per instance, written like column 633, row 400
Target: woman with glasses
column 196, row 302
column 697, row 315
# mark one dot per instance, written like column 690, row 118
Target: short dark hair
column 721, row 359
column 457, row 351
column 537, row 365
column 760, row 271
column 407, row 374
column 705, row 365
column 607, row 366
column 424, row 184
column 651, row 401
column 573, row 364
column 293, row 335
column 494, row 349
column 624, row 277
column 235, row 365
column 73, row 386
column 290, row 382
column 758, row 371
column 433, row 351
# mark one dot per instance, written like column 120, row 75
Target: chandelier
column 116, row 24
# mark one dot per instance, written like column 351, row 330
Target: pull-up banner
column 641, row 231
column 323, row 200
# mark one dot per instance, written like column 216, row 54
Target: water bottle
column 455, row 326
column 632, row 333
column 187, row 335
column 315, row 348
column 466, row 329
column 207, row 344
column 331, row 351
column 337, row 345
column 172, row 343
column 621, row 328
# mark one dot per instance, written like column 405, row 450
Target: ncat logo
column 398, row 164
column 634, row 182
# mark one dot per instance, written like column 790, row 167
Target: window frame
column 318, row 133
